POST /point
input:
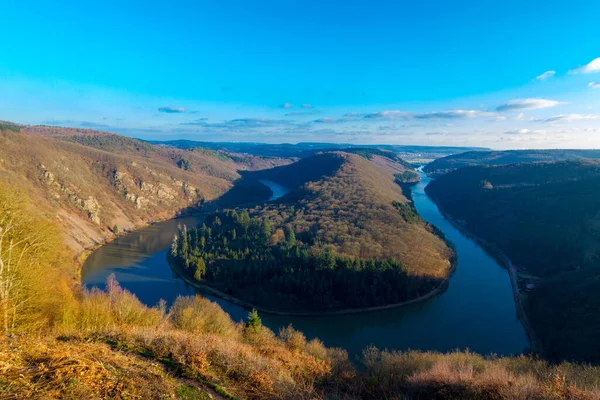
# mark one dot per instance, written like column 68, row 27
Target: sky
column 510, row 74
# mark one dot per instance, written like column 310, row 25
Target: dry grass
column 46, row 368
column 197, row 340
column 466, row 375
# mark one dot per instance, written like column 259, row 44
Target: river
column 476, row 312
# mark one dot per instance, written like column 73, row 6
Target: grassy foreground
column 60, row 341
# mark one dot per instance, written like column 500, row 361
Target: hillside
column 544, row 217
column 471, row 158
column 351, row 206
column 345, row 237
column 70, row 343
column 96, row 183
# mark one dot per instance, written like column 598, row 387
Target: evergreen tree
column 254, row 322
column 200, row 269
column 175, row 246
column 290, row 237
column 266, row 229
column 184, row 241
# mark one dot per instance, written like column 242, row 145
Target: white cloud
column 545, row 75
column 527, row 104
column 328, row 120
column 593, row 66
column 306, row 105
column 448, row 114
column 287, row 105
column 524, row 131
column 594, row 85
column 171, row 110
column 389, row 114
column 571, row 117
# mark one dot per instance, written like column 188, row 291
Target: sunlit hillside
column 96, row 184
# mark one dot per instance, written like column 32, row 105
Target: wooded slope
column 546, row 218
column 351, row 207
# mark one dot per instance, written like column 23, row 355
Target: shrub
column 200, row 315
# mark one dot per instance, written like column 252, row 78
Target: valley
column 478, row 285
column 357, row 218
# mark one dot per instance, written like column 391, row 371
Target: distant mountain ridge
column 304, row 149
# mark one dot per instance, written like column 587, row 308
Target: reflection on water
column 477, row 311
column 277, row 189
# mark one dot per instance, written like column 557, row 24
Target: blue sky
column 427, row 72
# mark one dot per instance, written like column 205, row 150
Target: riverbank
column 80, row 258
column 504, row 261
column 214, row 292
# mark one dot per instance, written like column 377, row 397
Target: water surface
column 476, row 312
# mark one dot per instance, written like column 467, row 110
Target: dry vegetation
column 352, row 208
column 94, row 183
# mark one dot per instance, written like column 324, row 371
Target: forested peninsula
column 341, row 240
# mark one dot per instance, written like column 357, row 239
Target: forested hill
column 546, row 218
column 324, row 164
column 352, row 208
column 96, row 183
column 345, row 238
column 470, row 158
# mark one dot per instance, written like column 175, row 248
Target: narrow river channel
column 476, row 312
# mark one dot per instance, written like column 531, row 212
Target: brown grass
column 466, row 375
column 48, row 369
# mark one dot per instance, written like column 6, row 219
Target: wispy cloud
column 257, row 122
column 354, row 114
column 388, row 114
column 593, row 66
column 527, row 104
column 571, row 117
column 448, row 114
column 287, row 105
column 546, row 75
column 171, row 110
column 240, row 124
column 88, row 124
column 298, row 113
column 594, row 85
column 306, row 105
column 199, row 121
column 334, row 120
column 523, row 131
column 454, row 114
